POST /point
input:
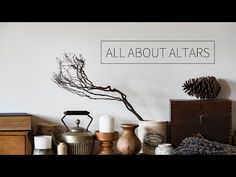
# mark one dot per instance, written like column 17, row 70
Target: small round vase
column 128, row 143
column 164, row 149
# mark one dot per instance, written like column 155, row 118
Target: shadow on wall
column 226, row 87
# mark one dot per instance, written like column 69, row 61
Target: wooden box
column 15, row 134
column 211, row 118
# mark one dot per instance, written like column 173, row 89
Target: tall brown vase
column 128, row 143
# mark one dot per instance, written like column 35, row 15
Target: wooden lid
column 46, row 128
column 15, row 121
column 51, row 126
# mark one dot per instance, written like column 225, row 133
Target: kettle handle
column 76, row 113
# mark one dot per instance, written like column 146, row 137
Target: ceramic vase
column 164, row 149
column 151, row 133
column 128, row 143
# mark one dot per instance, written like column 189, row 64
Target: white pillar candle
column 42, row 142
column 106, row 124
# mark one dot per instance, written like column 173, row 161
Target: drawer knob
column 201, row 118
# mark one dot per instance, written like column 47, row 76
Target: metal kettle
column 80, row 141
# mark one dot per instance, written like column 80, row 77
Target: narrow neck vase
column 128, row 143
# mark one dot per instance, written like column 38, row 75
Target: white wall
column 28, row 54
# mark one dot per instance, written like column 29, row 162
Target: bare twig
column 72, row 77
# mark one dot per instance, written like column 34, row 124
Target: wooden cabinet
column 211, row 118
column 15, row 134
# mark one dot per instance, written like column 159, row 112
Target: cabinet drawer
column 12, row 145
column 210, row 118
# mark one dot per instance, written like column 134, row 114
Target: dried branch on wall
column 71, row 77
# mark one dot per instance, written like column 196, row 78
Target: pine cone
column 202, row 87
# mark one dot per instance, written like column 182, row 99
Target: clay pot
column 128, row 143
